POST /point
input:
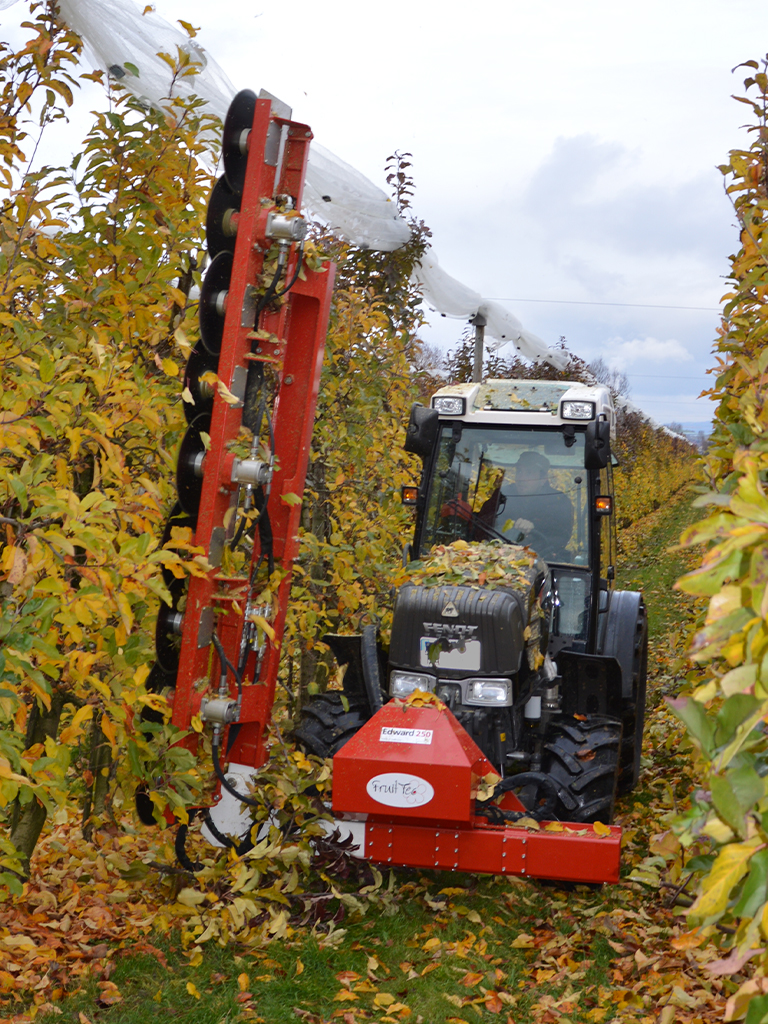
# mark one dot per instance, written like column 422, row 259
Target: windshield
column 524, row 486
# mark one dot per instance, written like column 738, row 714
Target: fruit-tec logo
column 399, row 789
column 389, row 734
column 450, row 630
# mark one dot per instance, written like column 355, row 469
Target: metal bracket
column 248, row 312
column 205, row 628
column 216, row 546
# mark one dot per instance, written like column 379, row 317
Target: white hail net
column 118, row 37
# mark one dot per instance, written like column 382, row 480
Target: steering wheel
column 540, row 543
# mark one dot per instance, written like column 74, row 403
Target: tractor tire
column 633, row 717
column 326, row 724
column 583, row 759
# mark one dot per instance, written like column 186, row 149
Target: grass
column 651, row 561
column 437, row 950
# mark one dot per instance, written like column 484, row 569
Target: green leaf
column 18, row 488
column 290, row 499
column 757, row 1013
column 726, row 804
column 755, row 891
column 46, row 368
column 748, row 787
column 735, row 721
column 11, row 882
column 696, row 720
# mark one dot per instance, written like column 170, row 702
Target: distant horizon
column 705, row 425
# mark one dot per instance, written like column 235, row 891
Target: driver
column 532, row 505
column 528, row 509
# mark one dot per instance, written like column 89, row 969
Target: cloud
column 599, row 223
column 654, row 353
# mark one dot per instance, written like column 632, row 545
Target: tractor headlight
column 577, row 410
column 448, row 405
column 402, row 684
column 489, row 692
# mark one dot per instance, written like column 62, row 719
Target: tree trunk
column 28, row 823
column 96, row 794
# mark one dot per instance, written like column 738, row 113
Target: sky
column 565, row 155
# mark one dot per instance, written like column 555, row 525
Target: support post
column 479, row 322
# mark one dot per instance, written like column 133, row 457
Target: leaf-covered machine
column 495, row 728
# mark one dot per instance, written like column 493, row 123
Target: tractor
column 545, row 671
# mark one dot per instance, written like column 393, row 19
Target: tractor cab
column 523, row 463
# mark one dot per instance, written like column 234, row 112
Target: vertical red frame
column 299, row 327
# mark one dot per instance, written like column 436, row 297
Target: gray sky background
column 564, row 154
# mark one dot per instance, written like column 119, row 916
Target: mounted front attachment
column 250, row 396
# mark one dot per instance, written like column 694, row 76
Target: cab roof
column 530, row 402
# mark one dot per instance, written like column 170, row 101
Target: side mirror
column 421, row 435
column 597, row 445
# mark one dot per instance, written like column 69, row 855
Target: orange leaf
column 344, row 995
column 492, row 1002
column 471, row 978
column 347, row 977
column 688, row 940
column 108, row 729
column 109, row 993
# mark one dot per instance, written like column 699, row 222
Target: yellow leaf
column 179, row 335
column 299, row 967
column 19, row 566
column 74, row 729
column 192, row 990
column 601, row 829
column 729, row 868
column 191, row 897
column 383, row 999
column 529, row 823
column 242, row 982
column 262, row 623
column 344, row 996
column 172, row 369
column 226, row 395
column 6, row 773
